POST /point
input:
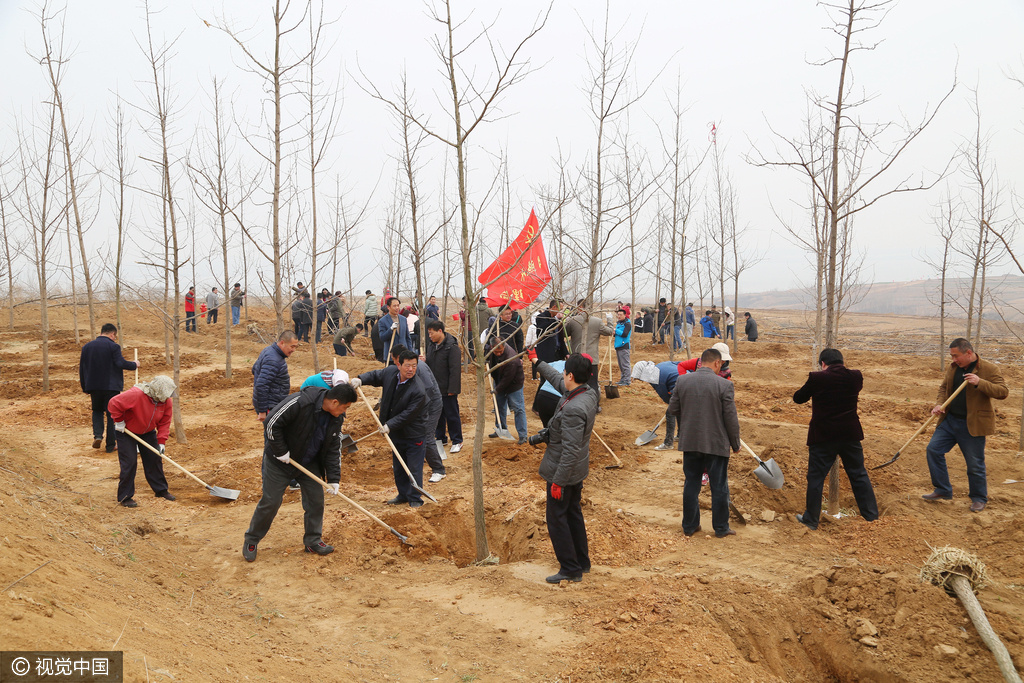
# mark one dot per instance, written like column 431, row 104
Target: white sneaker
column 663, row 447
column 436, row 477
column 456, row 447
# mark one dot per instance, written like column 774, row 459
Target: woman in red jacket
column 144, row 410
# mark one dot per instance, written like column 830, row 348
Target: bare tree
column 123, row 177
column 6, row 194
column 948, row 223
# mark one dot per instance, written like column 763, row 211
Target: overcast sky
column 743, row 65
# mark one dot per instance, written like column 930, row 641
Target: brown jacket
column 981, row 416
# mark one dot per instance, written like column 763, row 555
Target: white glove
column 355, row 382
column 286, row 458
column 119, row 426
column 394, row 325
column 332, row 489
column 163, row 449
column 384, row 429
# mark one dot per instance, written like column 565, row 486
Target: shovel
column 610, row 390
column 348, row 445
column 394, row 449
column 650, row 435
column 618, row 463
column 767, row 470
column 502, row 433
column 440, row 449
column 922, row 427
column 357, row 506
column 230, row 494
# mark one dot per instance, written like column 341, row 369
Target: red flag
column 521, row 273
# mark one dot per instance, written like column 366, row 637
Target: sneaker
column 129, row 503
column 96, row 443
column 704, row 481
column 456, row 447
column 249, row 552
column 294, row 485
column 320, row 548
column 166, row 495
column 436, row 477
column 522, row 440
column 663, row 447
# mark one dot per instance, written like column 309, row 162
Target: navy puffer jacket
column 271, row 383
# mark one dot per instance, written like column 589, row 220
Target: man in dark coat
column 750, row 329
column 101, row 373
column 304, row 428
column 393, row 328
column 834, row 431
column 271, row 383
column 705, row 404
column 403, row 414
column 510, row 331
column 566, row 463
column 550, row 340
column 434, row 409
column 445, row 360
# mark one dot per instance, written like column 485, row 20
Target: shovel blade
column 229, row 494
column 647, row 437
column 888, row 462
column 440, row 449
column 348, row 445
column 611, row 391
column 506, row 435
column 770, row 474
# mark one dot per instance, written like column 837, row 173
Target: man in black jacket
column 834, row 431
column 403, row 412
column 750, row 328
column 550, row 342
column 101, row 372
column 306, row 428
column 445, row 360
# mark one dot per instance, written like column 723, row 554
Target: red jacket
column 141, row 414
column 190, row 304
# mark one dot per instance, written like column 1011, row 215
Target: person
column 623, row 334
column 627, row 308
column 709, row 326
column 550, row 340
column 585, row 334
column 432, row 311
column 299, row 290
column 966, row 422
column 716, row 317
column 304, row 428
column 237, row 295
column 370, row 312
column 302, row 316
column 403, row 414
column 483, row 318
column 412, row 321
column 730, row 324
column 382, row 306
column 691, row 320
column 321, row 314
column 425, row 376
column 662, row 377
column 444, row 358
column 271, row 382
column 545, row 401
column 705, row 403
column 325, row 379
column 834, row 431
column 507, row 371
column 750, row 328
column 658, row 336
column 510, row 331
column 344, row 337
column 145, row 410
column 677, row 329
column 101, row 369
column 336, row 316
column 190, row 310
column 393, row 329
column 692, row 364
column 212, row 306
column 566, row 463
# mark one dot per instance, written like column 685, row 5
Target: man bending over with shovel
column 304, row 427
column 145, row 410
column 834, row 431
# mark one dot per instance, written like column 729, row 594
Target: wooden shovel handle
column 933, row 415
column 341, row 495
column 744, row 445
column 147, row 445
column 391, row 443
column 607, row 447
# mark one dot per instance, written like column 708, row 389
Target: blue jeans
column 952, row 431
column 235, row 312
column 517, row 403
column 677, row 339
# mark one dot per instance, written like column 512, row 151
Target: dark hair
column 238, row 284
column 554, row 303
column 298, row 284
column 369, row 291
column 581, row 302
column 831, row 357
column 342, row 393
column 710, row 356
column 359, row 326
column 579, row 367
column 434, row 325
column 504, row 307
column 398, row 349
column 961, row 344
column 390, row 299
column 108, row 328
column 338, row 293
column 707, row 312
column 690, row 304
column 287, row 335
column 191, row 286
column 661, row 300
column 747, row 313
column 407, row 355
column 621, row 310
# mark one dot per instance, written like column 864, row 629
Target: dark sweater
column 834, row 391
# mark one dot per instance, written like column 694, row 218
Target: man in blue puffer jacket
column 271, row 383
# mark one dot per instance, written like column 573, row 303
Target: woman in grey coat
column 566, row 464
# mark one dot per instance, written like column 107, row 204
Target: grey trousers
column 275, row 480
column 670, row 428
column 622, row 355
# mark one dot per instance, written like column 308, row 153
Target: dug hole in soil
column 166, row 581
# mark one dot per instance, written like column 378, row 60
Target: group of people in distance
column 419, row 400
column 210, row 308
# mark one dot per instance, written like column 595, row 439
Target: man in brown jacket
column 968, row 419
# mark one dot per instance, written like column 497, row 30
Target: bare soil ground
column 166, row 581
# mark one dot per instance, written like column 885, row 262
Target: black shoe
column 522, row 440
column 415, row 503
column 166, row 495
column 249, row 552
column 935, row 495
column 111, row 449
column 294, row 486
column 397, row 500
column 692, row 532
column 492, row 435
column 129, row 503
column 723, row 534
column 320, row 548
column 96, row 443
column 558, row 578
column 587, row 570
column 806, row 522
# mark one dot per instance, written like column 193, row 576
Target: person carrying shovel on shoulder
column 145, row 410
column 393, row 328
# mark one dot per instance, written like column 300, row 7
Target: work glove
column 286, row 458
column 119, row 426
column 384, row 429
column 394, row 325
column 332, row 489
column 355, row 382
column 556, row 492
column 163, row 449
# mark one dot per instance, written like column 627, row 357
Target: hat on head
column 723, row 349
column 646, row 371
